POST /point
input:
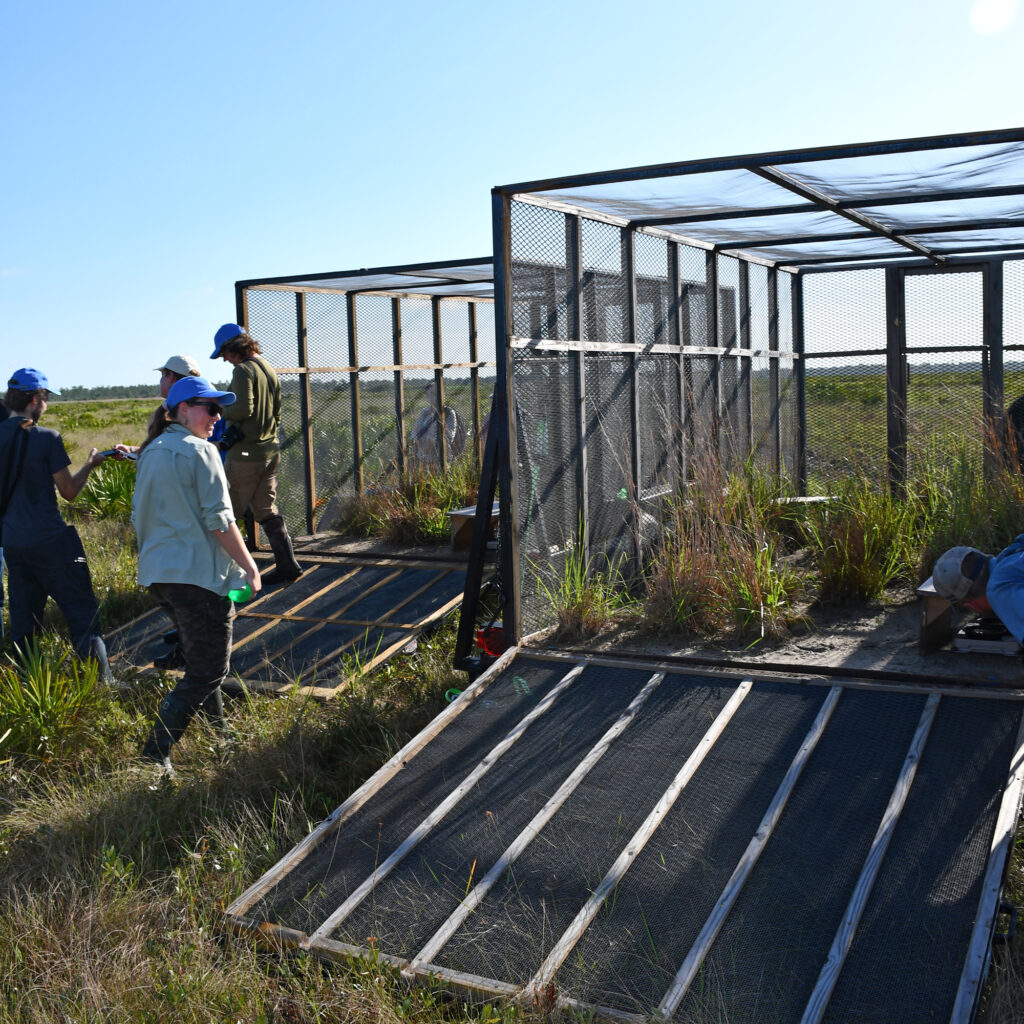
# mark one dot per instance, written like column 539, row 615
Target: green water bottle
column 240, row 594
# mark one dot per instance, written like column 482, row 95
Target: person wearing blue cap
column 44, row 555
column 191, row 554
column 254, row 457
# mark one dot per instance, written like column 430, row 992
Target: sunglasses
column 213, row 408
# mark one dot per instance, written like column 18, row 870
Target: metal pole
column 711, row 308
column 628, row 267
column 745, row 385
column 474, row 383
column 677, row 436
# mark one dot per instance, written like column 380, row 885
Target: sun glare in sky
column 991, row 16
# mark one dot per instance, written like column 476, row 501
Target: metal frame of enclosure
column 354, row 351
column 803, row 309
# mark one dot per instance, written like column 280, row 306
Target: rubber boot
column 172, row 718
column 98, row 650
column 212, row 709
column 285, row 568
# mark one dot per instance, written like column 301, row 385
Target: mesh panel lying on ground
column 637, row 839
column 343, row 616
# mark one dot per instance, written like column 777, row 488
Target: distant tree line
column 80, row 394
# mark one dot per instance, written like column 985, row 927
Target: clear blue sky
column 153, row 153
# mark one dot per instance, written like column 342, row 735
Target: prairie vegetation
column 111, row 891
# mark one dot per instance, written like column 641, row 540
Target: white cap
column 183, row 366
column 949, row 577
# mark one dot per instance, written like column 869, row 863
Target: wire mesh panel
column 734, row 425
column 788, row 397
column 845, row 344
column 636, row 840
column 944, row 339
column 1013, row 330
column 622, row 320
column 762, row 432
column 355, row 370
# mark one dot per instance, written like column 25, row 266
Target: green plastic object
column 240, row 594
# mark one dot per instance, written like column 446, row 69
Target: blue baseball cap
column 196, row 387
column 225, row 334
column 27, row 379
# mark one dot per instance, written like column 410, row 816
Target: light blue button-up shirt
column 181, row 498
column 1005, row 588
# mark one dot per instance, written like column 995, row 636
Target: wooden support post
column 357, row 424
column 774, row 396
column 305, row 411
column 402, row 452
column 800, row 375
column 574, row 267
column 896, row 379
column 992, row 366
column 442, row 436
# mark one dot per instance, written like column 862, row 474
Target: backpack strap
column 14, row 460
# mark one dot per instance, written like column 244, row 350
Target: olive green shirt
column 256, row 409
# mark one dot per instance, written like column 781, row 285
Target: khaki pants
column 253, row 484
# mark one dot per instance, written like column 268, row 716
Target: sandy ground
column 878, row 639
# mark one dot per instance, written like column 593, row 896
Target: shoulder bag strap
column 13, row 463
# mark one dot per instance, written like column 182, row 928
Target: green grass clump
column 585, row 595
column 413, row 511
column 720, row 566
column 48, row 700
column 863, row 540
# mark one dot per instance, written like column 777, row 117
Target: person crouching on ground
column 987, row 584
column 252, row 461
column 45, row 557
column 191, row 553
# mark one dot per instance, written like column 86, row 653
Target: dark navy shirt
column 33, row 518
